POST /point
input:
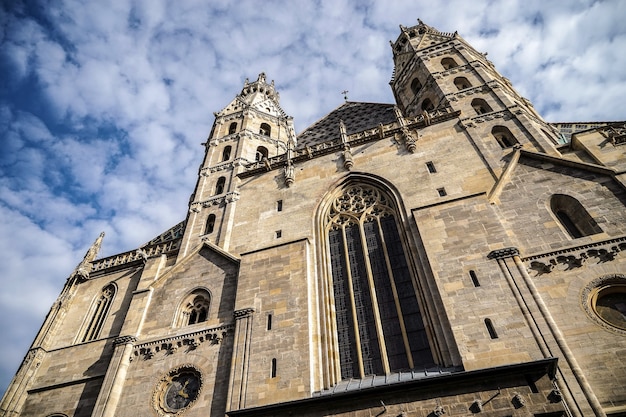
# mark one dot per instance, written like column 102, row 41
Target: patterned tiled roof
column 356, row 116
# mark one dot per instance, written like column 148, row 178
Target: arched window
column 232, row 128
column 194, row 308
column 503, row 136
column 261, row 153
column 573, row 216
column 265, row 129
column 448, row 63
column 481, row 106
column 379, row 327
column 219, row 186
column 416, row 86
column 462, row 83
column 427, row 105
column 98, row 313
column 226, row 153
column 210, row 224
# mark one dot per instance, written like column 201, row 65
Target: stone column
column 551, row 342
column 16, row 394
column 240, row 361
column 113, row 383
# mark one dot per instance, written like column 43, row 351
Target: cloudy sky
column 104, row 104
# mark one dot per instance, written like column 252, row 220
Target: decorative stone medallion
column 604, row 300
column 177, row 391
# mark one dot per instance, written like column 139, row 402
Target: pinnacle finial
column 84, row 267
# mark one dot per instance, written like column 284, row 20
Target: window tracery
column 379, row 327
column 98, row 314
column 194, row 308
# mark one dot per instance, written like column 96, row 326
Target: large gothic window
column 378, row 321
column 97, row 314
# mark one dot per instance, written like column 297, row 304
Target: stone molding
column 136, row 255
column 188, row 342
column 576, row 256
column 123, row 340
column 218, row 200
column 243, row 313
column 503, row 253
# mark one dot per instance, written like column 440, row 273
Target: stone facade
column 444, row 255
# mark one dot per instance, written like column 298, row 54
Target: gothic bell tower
column 251, row 129
column 439, row 71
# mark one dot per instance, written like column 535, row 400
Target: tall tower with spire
column 252, row 128
column 436, row 70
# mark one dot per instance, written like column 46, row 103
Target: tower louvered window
column 378, row 320
column 98, row 314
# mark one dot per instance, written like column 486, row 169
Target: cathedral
column 448, row 254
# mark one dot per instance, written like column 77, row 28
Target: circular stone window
column 177, row 391
column 605, row 302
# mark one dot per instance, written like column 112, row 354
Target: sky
column 104, row 104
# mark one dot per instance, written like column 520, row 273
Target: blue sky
column 104, row 104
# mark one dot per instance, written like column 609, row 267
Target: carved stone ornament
column 503, row 253
column 409, row 140
column 177, row 391
column 289, row 175
column 181, row 343
column 348, row 162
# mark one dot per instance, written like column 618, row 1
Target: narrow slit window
column 269, row 322
column 210, row 224
column 279, row 205
column 273, row 368
column 226, row 153
column 219, row 187
column 431, row 167
column 442, row 192
column 279, row 234
column 492, row 331
column 474, row 278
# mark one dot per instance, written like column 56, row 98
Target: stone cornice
column 576, row 256
column 217, row 200
column 243, row 313
column 123, row 340
column 135, row 256
column 188, row 341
